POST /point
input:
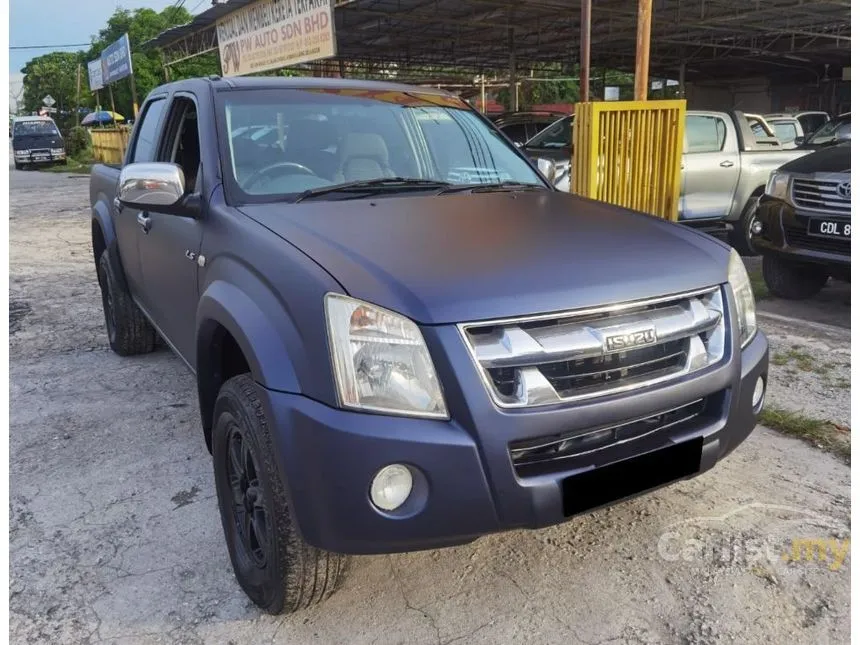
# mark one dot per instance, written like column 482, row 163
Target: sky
column 60, row 22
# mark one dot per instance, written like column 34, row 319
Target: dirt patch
column 18, row 310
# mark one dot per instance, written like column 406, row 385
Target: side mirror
column 547, row 169
column 798, row 141
column 152, row 186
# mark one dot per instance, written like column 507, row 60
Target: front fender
column 260, row 340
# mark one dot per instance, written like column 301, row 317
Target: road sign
column 49, row 110
column 49, row 100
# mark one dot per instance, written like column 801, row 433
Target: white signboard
column 611, row 93
column 269, row 34
column 94, row 71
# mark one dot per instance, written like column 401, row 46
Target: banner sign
column 116, row 60
column 269, row 34
column 94, row 70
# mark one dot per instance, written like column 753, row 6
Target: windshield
column 24, row 128
column 558, row 135
column 836, row 130
column 287, row 142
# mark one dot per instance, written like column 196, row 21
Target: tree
column 54, row 74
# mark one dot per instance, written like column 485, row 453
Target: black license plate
column 830, row 228
column 607, row 484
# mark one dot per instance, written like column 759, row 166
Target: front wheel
column 274, row 566
column 741, row 235
column 790, row 280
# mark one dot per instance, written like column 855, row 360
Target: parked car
column 519, row 127
column 36, row 140
column 810, row 120
column 419, row 343
column 803, row 223
column 724, row 169
column 787, row 129
column 831, row 133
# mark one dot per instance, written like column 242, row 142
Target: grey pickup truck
column 402, row 336
column 724, row 169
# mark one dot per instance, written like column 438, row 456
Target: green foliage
column 77, row 141
column 54, row 74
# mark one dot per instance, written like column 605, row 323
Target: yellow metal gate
column 109, row 144
column 629, row 153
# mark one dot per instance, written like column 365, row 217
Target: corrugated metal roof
column 713, row 37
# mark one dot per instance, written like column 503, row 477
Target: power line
column 50, row 46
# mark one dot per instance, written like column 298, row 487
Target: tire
column 741, row 236
column 19, row 166
column 129, row 332
column 790, row 280
column 278, row 570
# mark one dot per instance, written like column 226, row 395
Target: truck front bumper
column 785, row 233
column 466, row 483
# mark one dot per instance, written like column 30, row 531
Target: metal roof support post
column 513, row 101
column 585, row 52
column 682, row 82
column 643, row 51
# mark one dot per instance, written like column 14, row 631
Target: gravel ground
column 115, row 536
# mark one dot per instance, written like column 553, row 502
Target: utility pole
column 585, row 52
column 78, row 98
column 643, row 51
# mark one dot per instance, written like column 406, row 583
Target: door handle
column 117, row 204
column 144, row 221
column 727, row 164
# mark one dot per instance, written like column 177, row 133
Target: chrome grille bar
column 570, row 356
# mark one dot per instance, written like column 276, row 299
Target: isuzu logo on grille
column 631, row 340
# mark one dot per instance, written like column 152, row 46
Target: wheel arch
column 235, row 335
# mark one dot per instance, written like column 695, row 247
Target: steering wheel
column 297, row 169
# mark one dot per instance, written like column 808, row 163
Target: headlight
column 744, row 299
column 58, row 151
column 777, row 185
column 23, row 153
column 380, row 360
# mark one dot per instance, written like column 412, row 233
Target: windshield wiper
column 486, row 188
column 371, row 185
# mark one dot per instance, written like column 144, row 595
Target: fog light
column 758, row 394
column 391, row 487
column 756, row 227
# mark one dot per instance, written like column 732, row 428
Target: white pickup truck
column 724, row 169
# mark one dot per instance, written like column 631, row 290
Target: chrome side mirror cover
column 151, row 185
column 546, row 168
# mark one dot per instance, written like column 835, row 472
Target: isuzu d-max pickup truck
column 403, row 337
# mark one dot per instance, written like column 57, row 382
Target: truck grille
column 820, row 195
column 543, row 360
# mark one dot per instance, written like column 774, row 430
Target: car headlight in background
column 744, row 299
column 58, row 151
column 777, row 185
column 380, row 360
column 22, row 153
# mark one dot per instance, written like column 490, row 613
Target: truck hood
column 459, row 258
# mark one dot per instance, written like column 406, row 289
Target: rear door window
column 705, row 133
